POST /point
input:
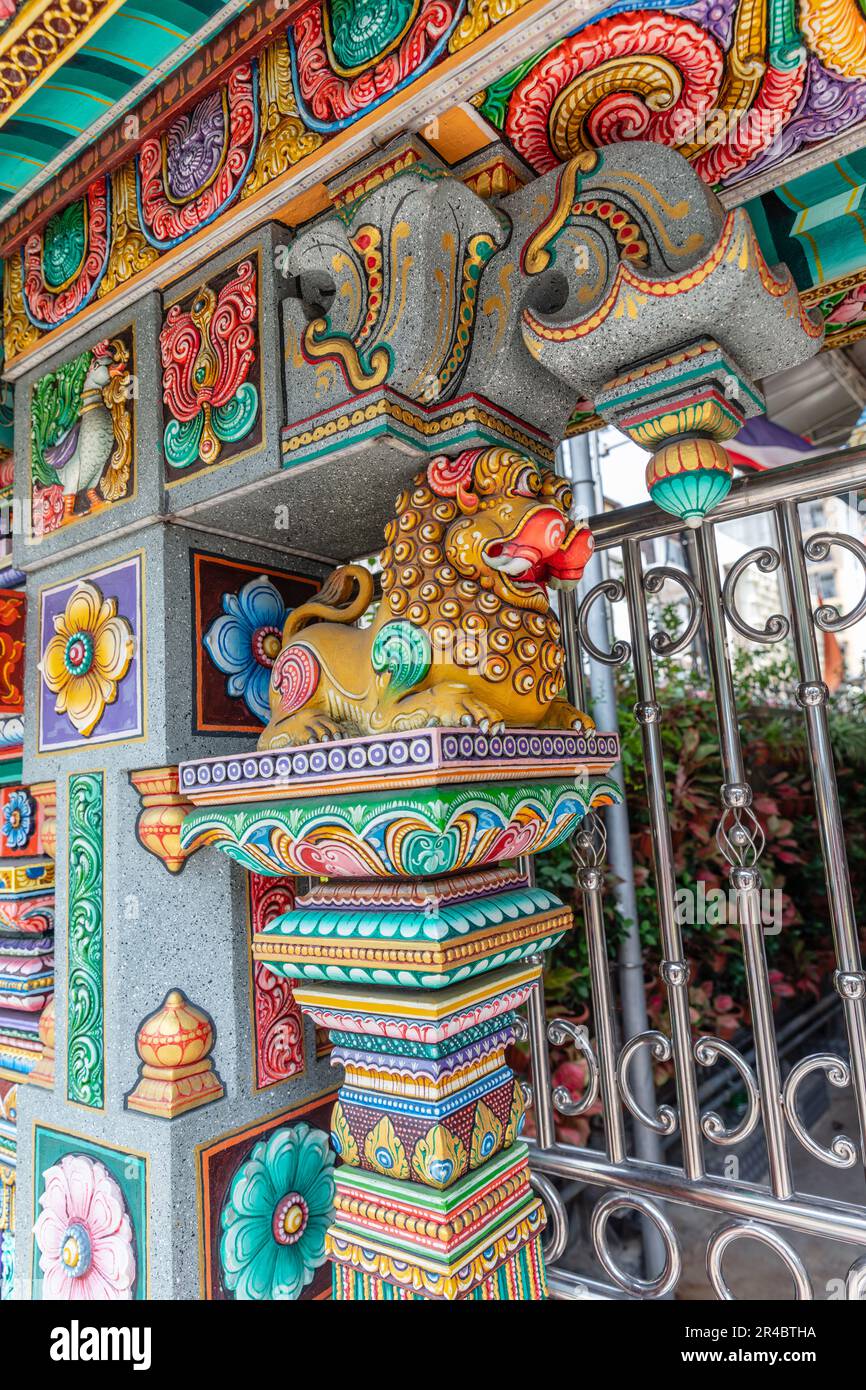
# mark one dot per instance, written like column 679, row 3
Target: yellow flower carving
column 87, row 657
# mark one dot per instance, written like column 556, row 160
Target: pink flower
column 571, row 1075
column 83, row 1233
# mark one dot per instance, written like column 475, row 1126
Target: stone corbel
column 163, row 810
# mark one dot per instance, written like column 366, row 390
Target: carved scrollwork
column 740, row 837
column 665, row 1119
column 653, row 582
column 842, row 1152
column 707, row 1052
column 827, row 616
column 614, row 592
column 752, row 1230
column 855, row 1281
column 663, row 1282
column 776, row 627
column 553, row 1248
column 559, row 1032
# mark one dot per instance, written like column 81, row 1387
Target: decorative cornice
column 188, row 84
column 41, row 38
column 454, row 79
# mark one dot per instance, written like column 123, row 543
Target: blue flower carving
column 244, row 642
column 17, row 820
column 279, row 1207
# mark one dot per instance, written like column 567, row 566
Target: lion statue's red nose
column 567, row 565
column 544, row 551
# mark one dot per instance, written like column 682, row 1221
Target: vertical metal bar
column 674, row 968
column 542, row 1095
column 812, row 697
column 737, row 798
column 582, row 459
column 590, row 880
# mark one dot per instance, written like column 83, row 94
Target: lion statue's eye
column 528, row 484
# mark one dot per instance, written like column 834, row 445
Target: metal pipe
column 736, row 802
column 582, row 462
column 590, row 880
column 812, row 697
column 674, row 968
column 583, row 468
column 542, row 1097
column 811, row 1215
column 562, row 1283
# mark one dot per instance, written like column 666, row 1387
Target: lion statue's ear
column 453, row 477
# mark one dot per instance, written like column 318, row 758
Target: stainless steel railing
column 654, row 1191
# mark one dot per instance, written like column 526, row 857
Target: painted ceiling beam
column 456, row 78
column 32, row 36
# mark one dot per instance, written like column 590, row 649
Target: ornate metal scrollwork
column 855, row 1280
column 553, row 1248
column 559, row 1032
column 653, row 582
column 614, row 592
column 707, row 1052
column 776, row 627
column 752, row 1230
column 740, row 835
column 827, row 616
column 665, row 1119
column 588, row 848
column 842, row 1152
column 741, row 839
column 664, row 1282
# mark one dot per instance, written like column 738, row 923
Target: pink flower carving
column 83, row 1233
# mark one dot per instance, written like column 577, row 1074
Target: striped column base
column 452, row 1244
column 520, row 1278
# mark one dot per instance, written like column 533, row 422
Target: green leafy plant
column 775, row 750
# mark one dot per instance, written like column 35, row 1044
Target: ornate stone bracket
column 549, row 288
column 162, row 815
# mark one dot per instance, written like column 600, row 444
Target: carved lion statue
column 464, row 633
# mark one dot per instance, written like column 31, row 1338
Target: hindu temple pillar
column 415, row 951
column 407, row 764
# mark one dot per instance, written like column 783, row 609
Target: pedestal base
column 520, row 1278
column 415, row 954
column 478, row 1239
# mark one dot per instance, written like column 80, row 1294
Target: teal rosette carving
column 279, row 1206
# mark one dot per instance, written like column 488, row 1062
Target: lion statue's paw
column 562, row 715
column 300, row 728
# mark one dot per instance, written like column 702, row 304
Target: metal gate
column 629, row 1173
